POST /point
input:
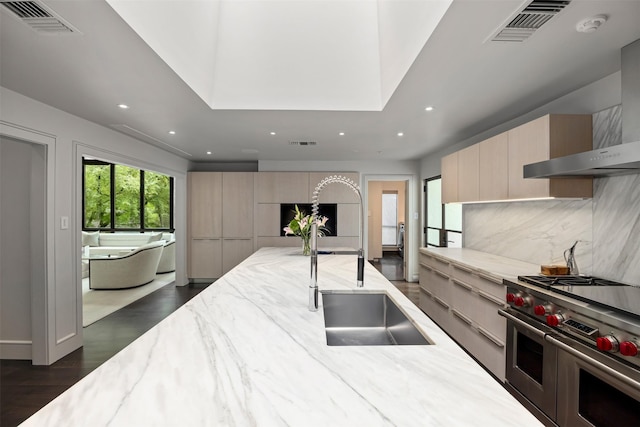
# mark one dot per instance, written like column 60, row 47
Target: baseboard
column 15, row 350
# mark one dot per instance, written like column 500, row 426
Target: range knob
column 608, row 343
column 629, row 348
column 511, row 297
column 522, row 301
column 541, row 310
column 555, row 319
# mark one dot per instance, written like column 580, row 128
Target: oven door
column 531, row 362
column 595, row 390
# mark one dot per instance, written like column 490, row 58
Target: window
column 119, row 197
column 443, row 222
column 389, row 219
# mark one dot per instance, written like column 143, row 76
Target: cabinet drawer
column 435, row 308
column 463, row 296
column 434, row 262
column 487, row 315
column 491, row 286
column 489, row 351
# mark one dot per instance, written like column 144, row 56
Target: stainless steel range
column 573, row 349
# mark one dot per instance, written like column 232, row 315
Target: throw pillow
column 90, row 238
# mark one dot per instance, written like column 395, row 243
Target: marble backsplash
column 537, row 232
column 608, row 226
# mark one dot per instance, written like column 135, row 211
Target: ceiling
column 473, row 83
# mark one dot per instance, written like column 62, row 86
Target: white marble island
column 246, row 351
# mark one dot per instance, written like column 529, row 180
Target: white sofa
column 136, row 268
column 118, row 244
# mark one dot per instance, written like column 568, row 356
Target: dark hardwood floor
column 25, row 388
column 391, row 266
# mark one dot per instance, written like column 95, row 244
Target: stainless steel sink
column 364, row 318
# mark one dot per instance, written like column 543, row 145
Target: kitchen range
column 573, row 349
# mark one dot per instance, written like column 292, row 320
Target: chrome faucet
column 313, row 287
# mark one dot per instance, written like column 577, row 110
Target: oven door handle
column 593, row 362
column 522, row 323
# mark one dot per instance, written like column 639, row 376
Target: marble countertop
column 488, row 264
column 246, row 351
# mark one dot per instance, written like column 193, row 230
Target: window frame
column 112, row 202
column 443, row 230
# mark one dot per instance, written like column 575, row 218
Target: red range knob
column 607, row 343
column 628, row 348
column 554, row 319
column 511, row 297
column 521, row 301
column 540, row 310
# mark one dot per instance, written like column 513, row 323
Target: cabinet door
column 449, row 172
column 283, row 187
column 205, row 204
column 237, row 204
column 234, row 251
column 334, row 193
column 528, row 143
column 205, row 258
column 468, row 174
column 494, row 171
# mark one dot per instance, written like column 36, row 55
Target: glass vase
column 306, row 246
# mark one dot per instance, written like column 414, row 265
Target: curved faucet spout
column 313, row 287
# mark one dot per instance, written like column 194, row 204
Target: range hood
column 619, row 159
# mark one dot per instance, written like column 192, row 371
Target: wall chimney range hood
column 619, row 159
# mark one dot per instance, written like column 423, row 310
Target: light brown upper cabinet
column 334, row 193
column 283, row 187
column 468, row 174
column 205, row 204
column 546, row 138
column 494, row 170
column 449, row 174
column 237, row 204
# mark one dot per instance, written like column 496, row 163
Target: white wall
column 73, row 137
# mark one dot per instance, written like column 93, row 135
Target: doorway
column 386, row 204
column 23, row 182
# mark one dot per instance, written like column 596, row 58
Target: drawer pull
column 461, row 316
column 492, row 299
column 426, row 292
column 205, row 238
column 441, row 274
column 490, row 337
column 490, row 279
column 426, row 267
column 461, row 268
column 441, row 302
column 462, row 285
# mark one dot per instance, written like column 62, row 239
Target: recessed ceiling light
column 172, row 132
column 429, row 108
column 341, row 134
column 209, row 152
column 123, row 106
column 400, row 134
column 272, row 133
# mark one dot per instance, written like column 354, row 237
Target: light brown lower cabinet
column 234, row 251
column 465, row 302
column 205, row 258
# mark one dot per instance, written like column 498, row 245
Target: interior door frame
column 411, row 218
column 43, row 336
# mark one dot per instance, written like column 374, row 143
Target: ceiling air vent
column 302, row 143
column 39, row 17
column 522, row 26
